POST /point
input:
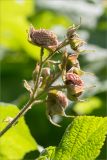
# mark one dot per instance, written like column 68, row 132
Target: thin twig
column 21, row 113
column 32, row 99
column 30, row 102
column 58, row 87
column 48, row 87
column 39, row 74
column 64, row 43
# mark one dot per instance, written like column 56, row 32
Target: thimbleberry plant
column 47, row 71
column 70, row 88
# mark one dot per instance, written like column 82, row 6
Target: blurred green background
column 18, row 57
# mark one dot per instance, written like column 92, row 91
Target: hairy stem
column 57, row 49
column 34, row 96
column 30, row 102
column 39, row 74
column 21, row 113
column 58, row 87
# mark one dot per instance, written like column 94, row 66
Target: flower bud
column 43, row 38
column 75, row 86
column 72, row 62
column 76, row 42
column 72, row 78
column 71, row 31
column 56, row 102
column 45, row 72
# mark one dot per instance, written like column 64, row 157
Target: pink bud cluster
column 69, row 69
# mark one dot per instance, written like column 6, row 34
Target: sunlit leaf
column 83, row 139
column 17, row 141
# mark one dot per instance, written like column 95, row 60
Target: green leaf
column 83, row 139
column 17, row 141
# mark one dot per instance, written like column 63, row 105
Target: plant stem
column 39, row 74
column 64, row 43
column 22, row 112
column 32, row 99
column 58, row 87
column 30, row 102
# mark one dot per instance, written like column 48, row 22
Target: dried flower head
column 43, row 38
